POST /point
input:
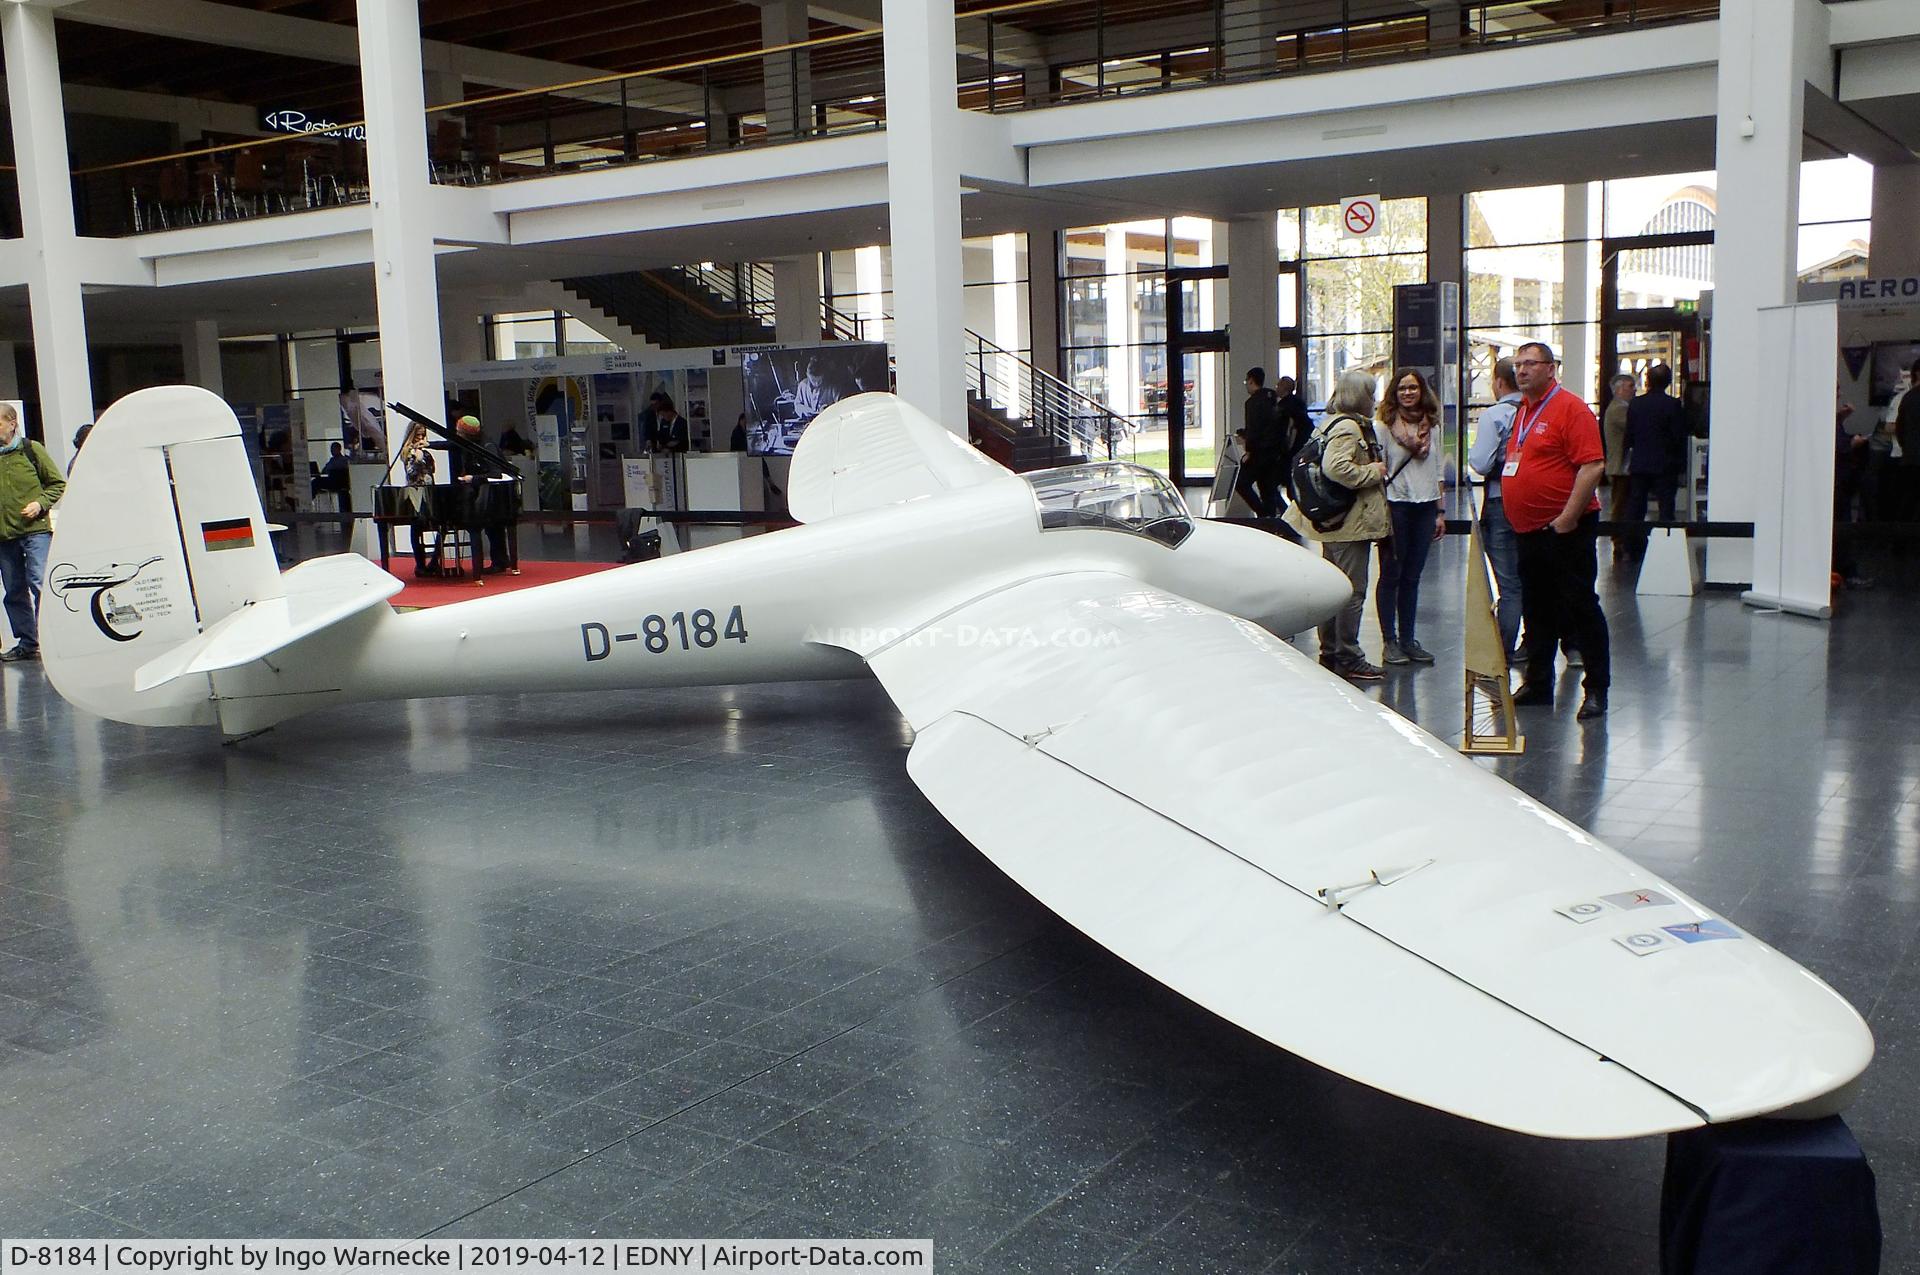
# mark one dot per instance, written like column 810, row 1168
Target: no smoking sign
column 1360, row 216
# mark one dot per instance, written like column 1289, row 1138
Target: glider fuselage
column 799, row 604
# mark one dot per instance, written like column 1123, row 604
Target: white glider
column 1295, row 857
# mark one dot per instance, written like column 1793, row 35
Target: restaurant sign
column 288, row 120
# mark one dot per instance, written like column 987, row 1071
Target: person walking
column 30, row 486
column 1656, row 451
column 1295, row 421
column 1352, row 457
column 1554, row 463
column 1486, row 458
column 1613, row 431
column 1410, row 437
column 1263, row 468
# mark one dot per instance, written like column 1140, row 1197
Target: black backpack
column 1324, row 502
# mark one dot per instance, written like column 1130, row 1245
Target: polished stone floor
column 705, row 963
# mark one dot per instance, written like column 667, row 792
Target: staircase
column 684, row 306
column 1023, row 417
column 1028, row 419
column 1017, row 445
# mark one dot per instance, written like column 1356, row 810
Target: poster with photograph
column 1892, row 365
column 613, row 406
column 786, row 389
column 563, row 400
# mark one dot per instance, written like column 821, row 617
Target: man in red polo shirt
column 1554, row 463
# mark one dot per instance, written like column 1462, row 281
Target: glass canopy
column 1115, row 496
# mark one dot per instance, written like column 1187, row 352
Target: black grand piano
column 484, row 499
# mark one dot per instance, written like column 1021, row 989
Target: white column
column 200, row 352
column 50, row 248
column 404, row 279
column 1006, row 304
column 1896, row 236
column 462, row 339
column 923, row 187
column 1576, row 360
column 787, row 77
column 796, row 299
column 1253, row 297
column 1766, row 51
column 1123, row 390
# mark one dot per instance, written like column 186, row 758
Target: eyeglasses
column 1520, row 363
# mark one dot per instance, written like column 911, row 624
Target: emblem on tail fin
column 112, row 616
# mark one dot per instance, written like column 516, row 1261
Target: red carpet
column 431, row 592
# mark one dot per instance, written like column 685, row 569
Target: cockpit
column 1112, row 495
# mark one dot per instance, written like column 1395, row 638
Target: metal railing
column 1035, row 400
column 823, row 87
column 792, row 92
column 1033, row 53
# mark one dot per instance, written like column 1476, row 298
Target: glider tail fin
column 160, row 536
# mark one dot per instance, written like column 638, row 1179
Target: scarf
column 1417, row 439
column 19, row 441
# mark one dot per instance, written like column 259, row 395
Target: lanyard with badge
column 1523, row 425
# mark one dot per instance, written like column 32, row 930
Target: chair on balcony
column 172, row 201
column 248, row 195
column 209, row 192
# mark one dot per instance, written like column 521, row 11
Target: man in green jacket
column 30, row 485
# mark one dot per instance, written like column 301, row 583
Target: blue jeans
column 1503, row 552
column 1402, row 559
column 23, row 565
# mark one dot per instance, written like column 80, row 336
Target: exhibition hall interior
column 976, row 635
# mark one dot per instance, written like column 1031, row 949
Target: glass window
column 1403, row 228
column 1836, row 190
column 1658, row 205
column 1114, row 496
column 1355, row 294
column 1532, row 215
column 1289, row 230
column 1834, row 250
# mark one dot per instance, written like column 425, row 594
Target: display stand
column 1793, row 517
column 1768, row 1197
column 1491, row 728
column 1669, row 569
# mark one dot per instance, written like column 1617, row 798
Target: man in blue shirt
column 1486, row 459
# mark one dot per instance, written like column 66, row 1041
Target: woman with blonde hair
column 1350, row 457
column 1411, row 438
column 418, row 464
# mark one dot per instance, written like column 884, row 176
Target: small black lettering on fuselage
column 697, row 630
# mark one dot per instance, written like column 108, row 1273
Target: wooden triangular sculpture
column 1491, row 728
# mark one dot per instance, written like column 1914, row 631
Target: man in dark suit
column 1263, row 468
column 669, row 427
column 1656, row 447
column 1295, row 422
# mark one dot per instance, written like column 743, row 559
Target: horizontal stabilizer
column 316, row 594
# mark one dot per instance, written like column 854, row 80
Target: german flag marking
column 228, row 533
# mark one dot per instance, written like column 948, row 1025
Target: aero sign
column 1360, row 216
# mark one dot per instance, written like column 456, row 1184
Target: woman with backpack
column 1411, row 416
column 1349, row 456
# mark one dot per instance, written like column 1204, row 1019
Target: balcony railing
column 1033, row 53
column 817, row 88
